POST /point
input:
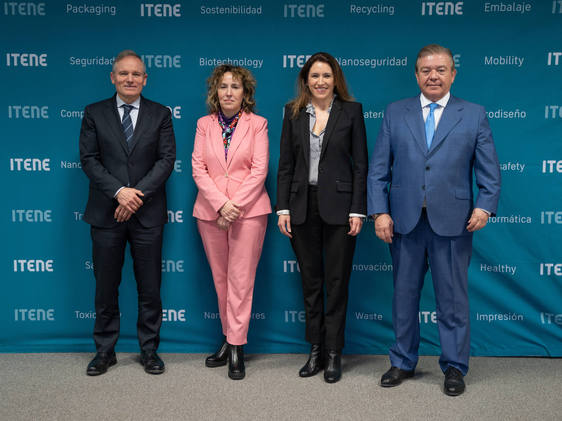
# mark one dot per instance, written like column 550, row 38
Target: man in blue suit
column 420, row 195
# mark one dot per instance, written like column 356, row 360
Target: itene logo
column 28, row 112
column 34, row 314
column 24, row 8
column 441, row 8
column 33, row 265
column 26, row 60
column 303, row 11
column 30, row 164
column 160, row 10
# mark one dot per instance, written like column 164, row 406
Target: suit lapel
column 215, row 138
column 414, row 120
column 239, row 133
column 330, row 125
column 303, row 126
column 143, row 120
column 449, row 119
column 115, row 123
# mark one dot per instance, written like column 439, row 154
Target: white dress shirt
column 438, row 112
column 134, row 113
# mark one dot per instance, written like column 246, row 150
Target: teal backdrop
column 55, row 58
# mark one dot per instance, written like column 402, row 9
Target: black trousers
column 325, row 256
column 108, row 249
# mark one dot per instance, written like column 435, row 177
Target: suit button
column 321, row 170
column 427, row 168
column 226, row 175
column 423, row 187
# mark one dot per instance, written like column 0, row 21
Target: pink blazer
column 241, row 178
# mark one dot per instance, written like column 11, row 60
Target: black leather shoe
column 315, row 362
column 454, row 383
column 219, row 358
column 152, row 363
column 394, row 376
column 332, row 371
column 101, row 362
column 236, row 369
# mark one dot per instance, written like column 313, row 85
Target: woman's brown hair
column 303, row 92
column 244, row 76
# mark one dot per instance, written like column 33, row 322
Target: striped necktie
column 430, row 124
column 127, row 123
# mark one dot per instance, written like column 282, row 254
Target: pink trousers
column 233, row 256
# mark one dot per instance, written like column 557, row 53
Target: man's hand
column 223, row 224
column 230, row 211
column 384, row 227
column 355, row 224
column 478, row 220
column 121, row 214
column 284, row 224
column 129, row 199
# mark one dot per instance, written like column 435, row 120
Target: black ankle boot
column 219, row 358
column 332, row 372
column 236, row 369
column 315, row 362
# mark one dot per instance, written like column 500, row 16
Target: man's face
column 435, row 75
column 129, row 78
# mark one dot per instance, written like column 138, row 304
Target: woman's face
column 321, row 81
column 231, row 93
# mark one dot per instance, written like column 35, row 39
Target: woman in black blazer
column 321, row 201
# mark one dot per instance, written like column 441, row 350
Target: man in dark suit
column 420, row 194
column 127, row 150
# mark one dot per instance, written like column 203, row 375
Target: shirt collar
column 310, row 108
column 120, row 102
column 442, row 102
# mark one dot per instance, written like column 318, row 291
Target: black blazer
column 342, row 171
column 145, row 164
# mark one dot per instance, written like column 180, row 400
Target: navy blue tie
column 430, row 124
column 127, row 123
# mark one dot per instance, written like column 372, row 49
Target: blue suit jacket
column 403, row 171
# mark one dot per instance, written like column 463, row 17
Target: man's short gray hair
column 127, row 53
column 432, row 49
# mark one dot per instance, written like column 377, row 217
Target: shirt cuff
column 117, row 192
column 357, row 215
column 486, row 211
column 283, row 212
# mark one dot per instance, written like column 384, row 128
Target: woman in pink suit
column 230, row 161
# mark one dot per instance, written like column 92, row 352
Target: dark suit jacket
column 342, row 170
column 109, row 163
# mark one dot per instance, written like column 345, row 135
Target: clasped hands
column 129, row 202
column 229, row 213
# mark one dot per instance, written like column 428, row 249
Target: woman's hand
column 284, row 224
column 355, row 224
column 223, row 224
column 230, row 211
